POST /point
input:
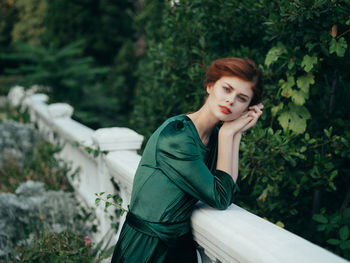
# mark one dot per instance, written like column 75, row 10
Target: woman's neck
column 205, row 122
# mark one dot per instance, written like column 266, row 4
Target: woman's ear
column 209, row 87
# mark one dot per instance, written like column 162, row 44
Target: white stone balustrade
column 229, row 236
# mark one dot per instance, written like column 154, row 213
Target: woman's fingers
column 260, row 106
column 254, row 114
column 247, row 120
column 256, row 108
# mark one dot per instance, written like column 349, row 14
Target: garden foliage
column 32, row 211
column 30, row 25
column 70, row 50
column 25, row 155
column 64, row 247
column 40, row 225
column 294, row 163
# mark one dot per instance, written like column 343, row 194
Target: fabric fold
column 167, row 232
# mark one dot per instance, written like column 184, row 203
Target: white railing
column 233, row 235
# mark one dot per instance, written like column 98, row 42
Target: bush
column 63, row 247
column 24, row 155
column 56, row 247
column 193, row 33
column 294, row 162
column 336, row 226
column 33, row 210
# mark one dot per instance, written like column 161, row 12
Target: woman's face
column 229, row 97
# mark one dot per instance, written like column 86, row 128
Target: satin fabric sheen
column 175, row 171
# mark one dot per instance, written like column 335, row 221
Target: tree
column 103, row 26
column 30, row 25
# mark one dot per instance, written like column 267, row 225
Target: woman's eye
column 242, row 99
column 227, row 89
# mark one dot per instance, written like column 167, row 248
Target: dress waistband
column 167, row 232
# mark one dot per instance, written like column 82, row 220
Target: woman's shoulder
column 175, row 135
column 182, row 118
column 176, row 129
column 176, row 126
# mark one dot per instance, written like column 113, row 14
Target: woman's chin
column 228, row 118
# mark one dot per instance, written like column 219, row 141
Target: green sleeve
column 179, row 159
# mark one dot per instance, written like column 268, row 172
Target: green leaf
column 299, row 155
column 119, row 200
column 307, row 136
column 276, row 109
column 339, row 47
column 333, row 174
column 308, row 62
column 347, row 22
column 335, row 220
column 280, row 224
column 296, row 192
column 108, row 204
column 109, row 196
column 97, row 201
column 102, row 193
column 88, row 149
column 320, row 218
column 96, row 152
column 344, row 233
column 310, row 46
column 333, row 241
column 274, row 54
column 75, row 144
column 311, row 141
column 294, row 118
column 345, row 245
column 332, row 185
column 291, row 64
column 270, row 131
column 328, row 132
column 299, row 97
column 305, row 81
column 321, row 227
column 286, row 86
column 202, row 42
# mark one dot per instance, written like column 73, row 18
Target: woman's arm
column 225, row 152
column 228, row 145
column 235, row 155
column 230, row 136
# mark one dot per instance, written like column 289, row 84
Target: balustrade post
column 114, row 141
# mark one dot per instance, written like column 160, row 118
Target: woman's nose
column 231, row 99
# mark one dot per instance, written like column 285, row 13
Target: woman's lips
column 225, row 109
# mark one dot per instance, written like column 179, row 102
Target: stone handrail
column 233, row 235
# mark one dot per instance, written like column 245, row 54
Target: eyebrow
column 240, row 93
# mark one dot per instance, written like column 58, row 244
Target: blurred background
column 135, row 63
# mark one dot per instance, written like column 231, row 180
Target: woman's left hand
column 255, row 112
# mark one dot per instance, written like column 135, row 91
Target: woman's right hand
column 247, row 120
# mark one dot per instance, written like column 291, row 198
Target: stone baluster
column 121, row 145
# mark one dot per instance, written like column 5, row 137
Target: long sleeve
column 179, row 159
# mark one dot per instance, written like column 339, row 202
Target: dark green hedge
column 294, row 168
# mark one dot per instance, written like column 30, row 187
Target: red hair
column 242, row 68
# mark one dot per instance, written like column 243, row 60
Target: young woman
column 190, row 158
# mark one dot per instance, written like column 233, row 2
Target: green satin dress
column 176, row 170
